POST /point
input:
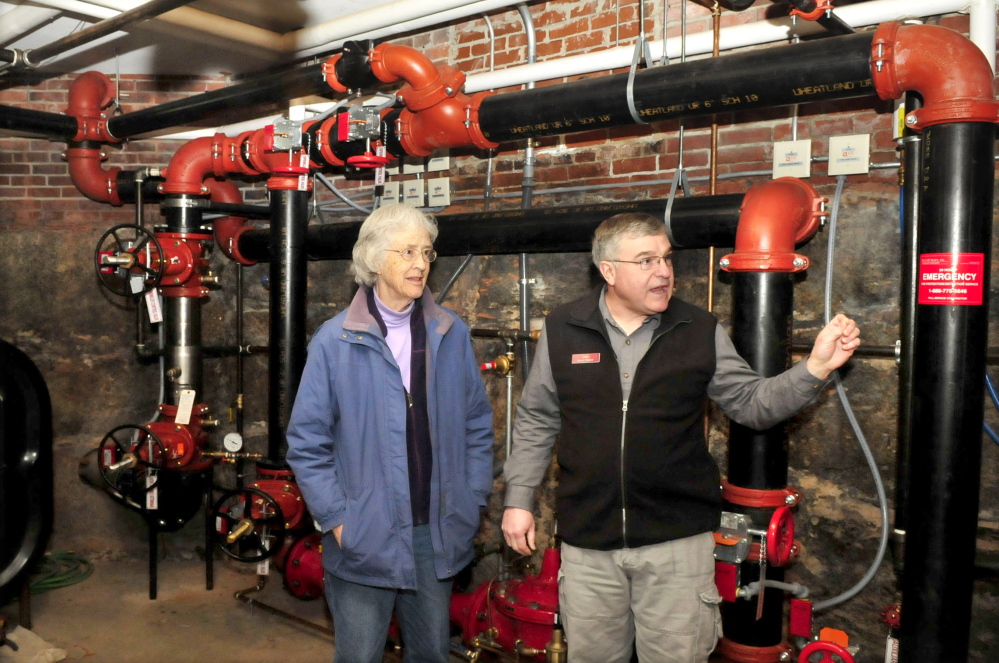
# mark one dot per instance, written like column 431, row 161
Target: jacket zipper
column 624, row 504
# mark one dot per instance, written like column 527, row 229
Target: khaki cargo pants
column 662, row 597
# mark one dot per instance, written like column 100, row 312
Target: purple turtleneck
column 398, row 336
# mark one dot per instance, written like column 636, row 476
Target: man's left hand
column 833, row 346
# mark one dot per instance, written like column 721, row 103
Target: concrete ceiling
column 168, row 44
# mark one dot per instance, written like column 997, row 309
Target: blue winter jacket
column 347, row 446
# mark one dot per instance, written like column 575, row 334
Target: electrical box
column 413, row 192
column 413, row 165
column 793, row 158
column 439, row 160
column 391, row 194
column 439, row 192
column 850, row 155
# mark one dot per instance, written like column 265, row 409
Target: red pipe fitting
column 228, row 228
column 774, row 217
column 734, row 651
column 759, row 499
column 89, row 94
column 437, row 114
column 90, row 178
column 822, row 6
column 189, row 166
column 452, row 123
column 947, row 69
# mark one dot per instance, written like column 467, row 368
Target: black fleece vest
column 642, row 476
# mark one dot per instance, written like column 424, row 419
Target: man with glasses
column 621, row 376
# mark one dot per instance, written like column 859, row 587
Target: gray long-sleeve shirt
column 741, row 393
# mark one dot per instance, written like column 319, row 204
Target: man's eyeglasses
column 649, row 263
column 409, row 255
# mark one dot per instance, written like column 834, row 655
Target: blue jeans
column 361, row 614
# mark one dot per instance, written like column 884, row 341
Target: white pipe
column 23, row 19
column 748, row 34
column 77, row 7
column 983, row 28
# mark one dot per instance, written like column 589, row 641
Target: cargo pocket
column 710, row 627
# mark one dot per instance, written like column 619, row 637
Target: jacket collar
column 359, row 319
column 585, row 312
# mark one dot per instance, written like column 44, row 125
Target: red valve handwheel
column 780, row 537
column 147, row 454
column 144, row 259
column 830, row 653
column 367, row 160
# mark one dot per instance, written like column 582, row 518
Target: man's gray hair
column 377, row 234
column 620, row 226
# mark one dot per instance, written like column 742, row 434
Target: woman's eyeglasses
column 409, row 255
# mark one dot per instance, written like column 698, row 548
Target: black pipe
column 144, row 11
column 183, row 214
column 821, row 70
column 286, row 361
column 51, row 125
column 948, row 376
column 912, row 167
column 761, row 331
column 125, row 185
column 241, row 210
column 265, row 90
column 695, row 222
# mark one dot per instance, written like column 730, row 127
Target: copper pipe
column 713, row 160
column 712, row 186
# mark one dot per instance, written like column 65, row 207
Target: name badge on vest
column 586, row 358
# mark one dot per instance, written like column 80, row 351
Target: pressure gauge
column 233, row 442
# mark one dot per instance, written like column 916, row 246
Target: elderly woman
column 391, row 442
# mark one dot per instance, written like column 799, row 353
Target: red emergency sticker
column 951, row 278
column 586, row 358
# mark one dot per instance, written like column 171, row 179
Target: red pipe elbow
column 89, row 94
column 189, row 166
column 228, row 228
column 437, row 114
column 390, row 62
column 946, row 68
column 90, row 178
column 774, row 217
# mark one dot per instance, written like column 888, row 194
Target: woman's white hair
column 377, row 233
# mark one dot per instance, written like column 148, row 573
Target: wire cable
column 865, row 447
column 339, row 194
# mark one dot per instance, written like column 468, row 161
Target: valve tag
column 220, row 525
column 303, row 160
column 380, row 170
column 152, row 495
column 109, row 457
column 153, row 306
column 303, row 182
column 891, row 650
column 136, row 282
column 184, row 407
column 264, row 566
